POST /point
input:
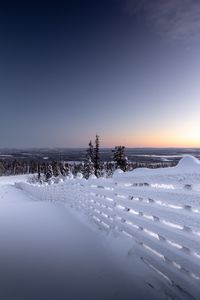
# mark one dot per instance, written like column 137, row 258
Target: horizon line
column 104, row 147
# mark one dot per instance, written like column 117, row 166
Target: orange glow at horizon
column 166, row 139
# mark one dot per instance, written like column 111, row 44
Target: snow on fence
column 163, row 221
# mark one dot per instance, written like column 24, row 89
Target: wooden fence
column 163, row 222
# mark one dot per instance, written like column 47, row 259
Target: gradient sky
column 128, row 70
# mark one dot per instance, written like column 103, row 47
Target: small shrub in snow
column 79, row 175
column 69, row 177
column 58, row 180
column 36, row 180
column 33, row 179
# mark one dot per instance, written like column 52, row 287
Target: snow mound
column 189, row 163
column 92, row 176
column 117, row 172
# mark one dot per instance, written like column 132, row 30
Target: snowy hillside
column 48, row 253
column 148, row 219
column 158, row 210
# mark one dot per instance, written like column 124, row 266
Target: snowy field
column 46, row 252
column 135, row 236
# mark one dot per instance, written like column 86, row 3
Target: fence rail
column 164, row 223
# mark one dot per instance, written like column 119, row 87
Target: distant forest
column 91, row 166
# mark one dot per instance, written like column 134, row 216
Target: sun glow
column 174, row 138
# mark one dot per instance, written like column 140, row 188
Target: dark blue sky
column 128, row 70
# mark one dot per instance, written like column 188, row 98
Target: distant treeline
column 17, row 167
column 91, row 166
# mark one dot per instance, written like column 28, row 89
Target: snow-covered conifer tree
column 90, row 152
column 49, row 173
column 120, row 158
column 88, row 168
column 96, row 156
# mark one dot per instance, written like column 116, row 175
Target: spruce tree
column 120, row 158
column 88, row 168
column 49, row 173
column 39, row 173
column 90, row 152
column 96, row 156
column 89, row 163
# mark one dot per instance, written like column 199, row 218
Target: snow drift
column 185, row 174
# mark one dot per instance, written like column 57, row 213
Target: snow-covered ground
column 135, row 236
column 46, row 252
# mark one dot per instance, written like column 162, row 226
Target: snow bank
column 186, row 165
column 185, row 174
column 12, row 179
